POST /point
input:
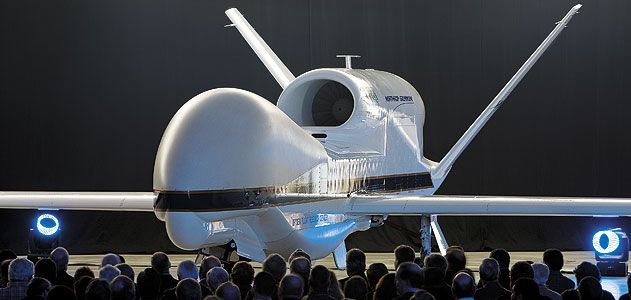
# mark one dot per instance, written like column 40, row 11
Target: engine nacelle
column 360, row 111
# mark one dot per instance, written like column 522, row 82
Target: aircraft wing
column 118, row 201
column 403, row 205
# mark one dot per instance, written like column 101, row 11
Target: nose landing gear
column 227, row 254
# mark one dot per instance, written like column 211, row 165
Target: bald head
column 110, row 259
column 489, row 270
column 541, row 273
column 463, row 286
column 187, row 269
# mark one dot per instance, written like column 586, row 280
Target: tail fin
column 262, row 50
column 445, row 164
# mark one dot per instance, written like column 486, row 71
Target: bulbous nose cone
column 229, row 138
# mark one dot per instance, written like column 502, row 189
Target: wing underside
column 487, row 205
column 115, row 201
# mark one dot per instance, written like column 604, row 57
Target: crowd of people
column 434, row 277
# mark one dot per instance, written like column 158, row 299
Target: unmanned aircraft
column 340, row 152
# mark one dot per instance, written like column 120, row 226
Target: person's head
column 122, row 288
column 291, row 286
column 553, row 258
column 386, row 288
column 489, row 270
column 409, row 277
column 436, row 261
column 188, row 289
column 242, row 273
column 61, row 292
column 300, row 266
column 422, row 295
column 126, row 270
column 187, row 269
column 355, row 262
column 586, row 269
column 356, row 288
column 228, row 291
column 149, row 284
column 215, row 277
column 520, row 269
column 61, row 258
column 20, row 270
column 80, row 286
column 433, row 276
column 589, row 288
column 108, row 273
column 110, row 259
column 83, row 271
column 502, row 257
column 319, row 279
column 570, row 294
column 46, row 268
column 541, row 273
column 207, row 264
column 264, row 285
column 525, row 289
column 38, row 287
column 456, row 259
column 403, row 253
column 275, row 265
column 160, row 262
column 98, row 289
column 463, row 285
column 374, row 273
column 334, row 287
column 299, row 253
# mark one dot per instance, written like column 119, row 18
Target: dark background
column 87, row 88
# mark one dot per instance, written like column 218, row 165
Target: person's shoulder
column 168, row 294
column 625, row 297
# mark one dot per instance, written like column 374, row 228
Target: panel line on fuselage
column 253, row 198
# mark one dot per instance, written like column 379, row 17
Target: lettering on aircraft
column 399, row 99
column 301, row 221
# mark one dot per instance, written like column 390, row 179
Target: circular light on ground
column 612, row 245
column 47, row 224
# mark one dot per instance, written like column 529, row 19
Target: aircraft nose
column 227, row 139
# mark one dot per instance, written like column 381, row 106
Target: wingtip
column 577, row 6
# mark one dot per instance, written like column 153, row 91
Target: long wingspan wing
column 486, row 205
column 119, row 201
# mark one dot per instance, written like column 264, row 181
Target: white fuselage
column 232, row 166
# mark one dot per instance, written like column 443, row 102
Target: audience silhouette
column 437, row 277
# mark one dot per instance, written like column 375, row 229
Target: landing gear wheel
column 226, row 253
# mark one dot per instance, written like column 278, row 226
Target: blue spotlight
column 45, row 235
column 47, row 224
column 611, row 250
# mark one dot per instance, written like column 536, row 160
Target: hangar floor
column 616, row 285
